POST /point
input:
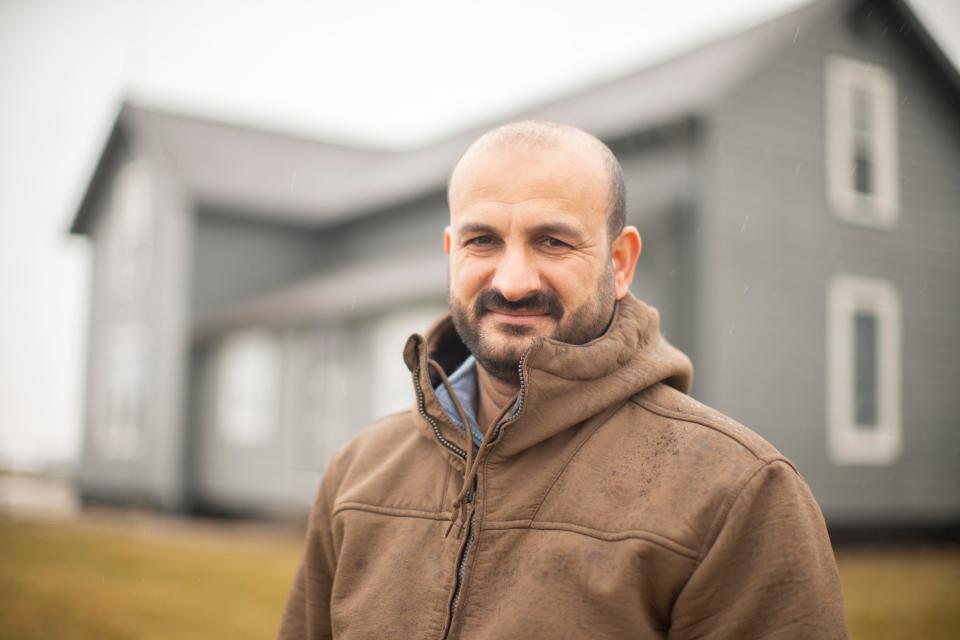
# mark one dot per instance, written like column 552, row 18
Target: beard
column 498, row 347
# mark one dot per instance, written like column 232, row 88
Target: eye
column 553, row 243
column 480, row 241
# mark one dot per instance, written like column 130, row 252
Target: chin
column 508, row 330
column 508, row 348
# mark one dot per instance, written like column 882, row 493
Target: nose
column 516, row 276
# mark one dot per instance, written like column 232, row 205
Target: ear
column 447, row 240
column 624, row 252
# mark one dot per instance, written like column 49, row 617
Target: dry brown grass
column 902, row 593
column 93, row 580
column 123, row 577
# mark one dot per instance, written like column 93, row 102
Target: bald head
column 543, row 135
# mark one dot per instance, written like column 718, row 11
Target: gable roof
column 277, row 176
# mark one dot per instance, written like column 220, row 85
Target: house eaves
column 275, row 176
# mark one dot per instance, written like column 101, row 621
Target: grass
column 134, row 578
column 83, row 580
column 900, row 593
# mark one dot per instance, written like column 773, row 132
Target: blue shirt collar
column 464, row 384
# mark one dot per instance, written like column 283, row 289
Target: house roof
column 277, row 176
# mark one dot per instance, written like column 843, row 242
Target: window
column 392, row 383
column 248, row 389
column 131, row 228
column 118, row 435
column 861, row 130
column 863, row 371
column 331, row 391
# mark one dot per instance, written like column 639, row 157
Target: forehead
column 566, row 177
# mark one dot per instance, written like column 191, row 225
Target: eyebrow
column 547, row 228
column 475, row 227
column 556, row 229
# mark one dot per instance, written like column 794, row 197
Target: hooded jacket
column 605, row 503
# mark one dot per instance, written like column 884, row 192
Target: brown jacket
column 610, row 506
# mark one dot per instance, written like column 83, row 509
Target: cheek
column 572, row 280
column 468, row 275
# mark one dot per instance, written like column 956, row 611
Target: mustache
column 545, row 302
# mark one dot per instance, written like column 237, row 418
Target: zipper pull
column 467, row 516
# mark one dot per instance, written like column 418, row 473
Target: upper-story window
column 861, row 129
column 131, row 228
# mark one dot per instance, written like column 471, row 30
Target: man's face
column 529, row 253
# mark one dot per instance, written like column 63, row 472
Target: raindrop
column 744, row 225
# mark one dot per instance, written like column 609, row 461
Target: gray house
column 796, row 186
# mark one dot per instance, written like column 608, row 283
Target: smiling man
column 553, row 479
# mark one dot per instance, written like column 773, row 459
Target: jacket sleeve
column 769, row 572
column 307, row 611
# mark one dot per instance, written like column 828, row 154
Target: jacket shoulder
column 706, row 423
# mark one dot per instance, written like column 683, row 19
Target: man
column 552, row 479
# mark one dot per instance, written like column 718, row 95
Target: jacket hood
column 562, row 384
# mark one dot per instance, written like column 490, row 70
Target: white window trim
column 881, row 209
column 119, row 433
column 327, row 393
column 131, row 228
column 391, row 389
column 848, row 444
column 248, row 389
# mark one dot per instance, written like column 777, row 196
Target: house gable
column 773, row 243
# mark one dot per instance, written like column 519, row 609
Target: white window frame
column 848, row 443
column 881, row 208
column 248, row 389
column 131, row 207
column 328, row 392
column 119, row 433
column 392, row 388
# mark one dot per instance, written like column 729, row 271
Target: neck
column 494, row 395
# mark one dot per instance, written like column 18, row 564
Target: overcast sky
column 368, row 71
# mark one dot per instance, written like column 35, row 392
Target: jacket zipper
column 462, row 560
column 521, row 396
column 461, row 569
column 433, row 423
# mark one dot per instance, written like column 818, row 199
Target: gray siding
column 236, row 258
column 658, row 175
column 159, row 307
column 771, row 243
column 328, row 359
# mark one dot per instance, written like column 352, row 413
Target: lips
column 515, row 317
column 519, row 314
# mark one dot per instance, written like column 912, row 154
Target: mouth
column 525, row 316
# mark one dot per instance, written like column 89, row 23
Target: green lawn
column 160, row 580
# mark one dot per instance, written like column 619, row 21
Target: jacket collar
column 562, row 384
